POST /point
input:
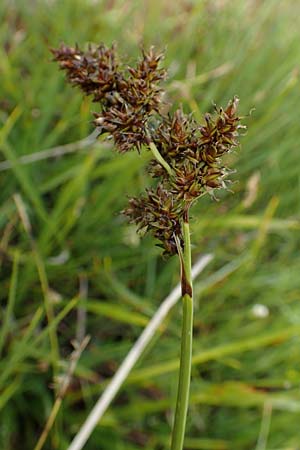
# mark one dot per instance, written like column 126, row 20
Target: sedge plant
column 186, row 164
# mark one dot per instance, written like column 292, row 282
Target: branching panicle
column 130, row 99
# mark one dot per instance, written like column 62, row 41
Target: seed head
column 188, row 155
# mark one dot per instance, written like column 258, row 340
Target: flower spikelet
column 160, row 213
column 95, row 71
column 176, row 136
column 219, row 134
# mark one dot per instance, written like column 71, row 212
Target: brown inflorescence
column 130, row 99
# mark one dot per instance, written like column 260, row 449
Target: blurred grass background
column 77, row 254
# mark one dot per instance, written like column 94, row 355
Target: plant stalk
column 187, row 320
column 186, row 343
column 158, row 156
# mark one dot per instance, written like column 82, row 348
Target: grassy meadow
column 71, row 265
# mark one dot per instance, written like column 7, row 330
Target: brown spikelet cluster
column 128, row 95
column 130, row 99
column 94, row 71
column 159, row 213
column 194, row 150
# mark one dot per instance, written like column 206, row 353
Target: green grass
column 246, row 370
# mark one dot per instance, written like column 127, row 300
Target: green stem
column 160, row 159
column 186, row 344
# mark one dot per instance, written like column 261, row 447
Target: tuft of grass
column 243, row 361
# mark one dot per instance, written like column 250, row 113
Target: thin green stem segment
column 187, row 256
column 186, row 345
column 187, row 321
column 160, row 159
